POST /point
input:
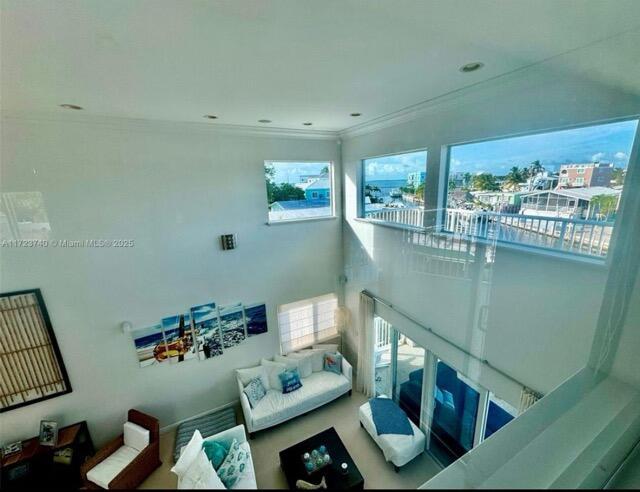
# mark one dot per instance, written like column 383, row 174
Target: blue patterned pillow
column 333, row 362
column 255, row 391
column 234, row 465
column 290, row 381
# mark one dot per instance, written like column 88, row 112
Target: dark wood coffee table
column 293, row 466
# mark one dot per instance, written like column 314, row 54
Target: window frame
column 362, row 183
column 444, row 172
column 332, row 191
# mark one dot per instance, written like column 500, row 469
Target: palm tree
column 513, row 178
column 372, row 192
column 535, row 167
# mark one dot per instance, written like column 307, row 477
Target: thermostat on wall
column 228, row 241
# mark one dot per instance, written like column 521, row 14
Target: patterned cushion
column 333, row 362
column 255, row 391
column 290, row 381
column 234, row 465
column 216, row 452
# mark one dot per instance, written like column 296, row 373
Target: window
column 393, row 188
column 522, row 174
column 306, row 322
column 299, row 190
column 499, row 414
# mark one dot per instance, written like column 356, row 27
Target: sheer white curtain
column 366, row 337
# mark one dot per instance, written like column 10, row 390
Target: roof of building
column 319, row 184
column 579, row 193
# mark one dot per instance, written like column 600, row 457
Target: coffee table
column 293, row 466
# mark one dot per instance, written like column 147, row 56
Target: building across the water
column 416, row 178
column 576, row 203
column 585, row 175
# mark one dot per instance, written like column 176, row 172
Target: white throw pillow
column 274, row 369
column 328, row 347
column 189, row 454
column 136, row 436
column 200, row 475
column 317, row 358
column 246, row 375
column 304, row 363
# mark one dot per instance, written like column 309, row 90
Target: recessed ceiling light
column 70, row 106
column 471, row 67
column 211, row 116
column 264, row 121
column 307, row 123
column 355, row 115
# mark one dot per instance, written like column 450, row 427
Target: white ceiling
column 289, row 61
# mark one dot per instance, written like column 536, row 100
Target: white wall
column 173, row 189
column 542, row 311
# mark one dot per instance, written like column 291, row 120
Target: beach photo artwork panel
column 208, row 340
column 255, row 316
column 232, row 325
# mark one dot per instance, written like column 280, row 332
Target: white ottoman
column 398, row 449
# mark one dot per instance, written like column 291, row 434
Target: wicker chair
column 141, row 466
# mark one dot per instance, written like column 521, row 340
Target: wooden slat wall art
column 31, row 367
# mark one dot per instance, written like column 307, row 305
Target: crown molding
column 142, row 124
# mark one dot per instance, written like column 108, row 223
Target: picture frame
column 42, row 375
column 48, row 433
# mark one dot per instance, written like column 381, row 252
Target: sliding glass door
column 409, row 374
column 455, row 412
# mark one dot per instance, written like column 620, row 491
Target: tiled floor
column 341, row 414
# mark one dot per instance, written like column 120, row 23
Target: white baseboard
column 170, row 427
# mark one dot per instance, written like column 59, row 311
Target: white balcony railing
column 576, row 236
column 405, row 216
column 586, row 237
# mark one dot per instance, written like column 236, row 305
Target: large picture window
column 306, row 322
column 558, row 190
column 299, row 190
column 393, row 188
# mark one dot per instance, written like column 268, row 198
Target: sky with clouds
column 604, row 143
column 395, row 166
column 290, row 172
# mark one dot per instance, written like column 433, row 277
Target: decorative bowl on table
column 315, row 460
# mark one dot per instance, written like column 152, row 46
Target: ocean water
column 387, row 185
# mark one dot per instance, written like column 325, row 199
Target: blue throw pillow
column 255, row 391
column 333, row 362
column 290, row 381
column 216, row 452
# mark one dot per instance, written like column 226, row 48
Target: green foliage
column 513, row 178
column 420, row 190
column 280, row 192
column 409, row 189
column 373, row 192
column 452, row 185
column 604, row 204
column 484, row 182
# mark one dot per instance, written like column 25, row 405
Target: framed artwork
column 31, row 366
column 178, row 334
column 206, row 331
column 48, row 433
column 151, row 345
column 232, row 325
column 255, row 316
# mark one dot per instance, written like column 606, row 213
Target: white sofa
column 317, row 389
